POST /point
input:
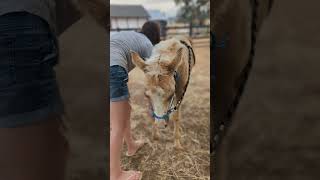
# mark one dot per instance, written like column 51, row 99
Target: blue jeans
column 28, row 88
column 118, row 84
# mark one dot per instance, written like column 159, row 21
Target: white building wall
column 142, row 21
column 133, row 23
column 114, row 23
column 127, row 22
column 122, row 23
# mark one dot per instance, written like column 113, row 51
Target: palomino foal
column 167, row 74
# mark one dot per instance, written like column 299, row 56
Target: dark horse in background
column 274, row 134
column 235, row 28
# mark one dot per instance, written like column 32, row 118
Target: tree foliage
column 193, row 11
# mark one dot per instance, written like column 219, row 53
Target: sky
column 166, row 6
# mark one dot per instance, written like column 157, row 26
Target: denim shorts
column 28, row 88
column 118, row 84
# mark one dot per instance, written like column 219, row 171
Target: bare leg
column 127, row 130
column 132, row 145
column 177, row 135
column 119, row 114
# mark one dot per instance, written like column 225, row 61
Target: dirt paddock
column 158, row 159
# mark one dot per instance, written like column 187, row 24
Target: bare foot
column 129, row 175
column 137, row 145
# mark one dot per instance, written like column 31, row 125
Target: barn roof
column 128, row 11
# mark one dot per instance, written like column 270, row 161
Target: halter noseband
column 176, row 78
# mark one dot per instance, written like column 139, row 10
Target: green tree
column 193, row 11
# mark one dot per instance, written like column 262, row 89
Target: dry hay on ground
column 158, row 159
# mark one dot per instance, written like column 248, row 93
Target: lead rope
column 226, row 122
column 190, row 51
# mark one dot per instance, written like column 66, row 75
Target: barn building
column 128, row 16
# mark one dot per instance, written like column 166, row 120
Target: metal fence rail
column 195, row 32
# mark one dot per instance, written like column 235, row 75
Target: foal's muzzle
column 161, row 121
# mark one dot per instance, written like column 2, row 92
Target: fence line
column 196, row 32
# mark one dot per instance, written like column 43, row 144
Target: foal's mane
column 157, row 66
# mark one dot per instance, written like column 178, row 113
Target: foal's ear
column 176, row 61
column 138, row 61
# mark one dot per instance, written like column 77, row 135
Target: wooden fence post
column 190, row 29
column 165, row 29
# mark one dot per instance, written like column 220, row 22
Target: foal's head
column 160, row 84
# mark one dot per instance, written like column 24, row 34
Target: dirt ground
column 82, row 76
column 275, row 134
column 158, row 159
